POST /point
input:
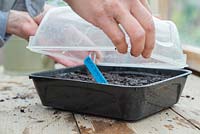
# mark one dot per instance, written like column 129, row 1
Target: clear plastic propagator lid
column 62, row 33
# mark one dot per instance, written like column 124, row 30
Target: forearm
column 19, row 22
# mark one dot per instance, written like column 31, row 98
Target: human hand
column 39, row 17
column 76, row 58
column 21, row 24
column 133, row 15
column 73, row 58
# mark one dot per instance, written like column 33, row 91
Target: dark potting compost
column 127, row 78
column 131, row 93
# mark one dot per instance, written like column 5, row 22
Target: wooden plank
column 166, row 122
column 37, row 120
column 154, row 5
column 189, row 103
column 193, row 57
column 160, row 8
column 95, row 125
column 164, row 9
column 21, row 111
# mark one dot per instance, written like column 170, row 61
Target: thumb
column 39, row 18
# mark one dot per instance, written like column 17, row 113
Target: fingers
column 99, row 57
column 138, row 24
column 28, row 29
column 39, row 18
column 76, row 58
column 133, row 15
column 65, row 62
column 135, row 32
column 113, row 31
column 144, row 17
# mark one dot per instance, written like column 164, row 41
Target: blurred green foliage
column 186, row 15
column 56, row 2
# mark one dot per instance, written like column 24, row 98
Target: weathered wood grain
column 189, row 103
column 165, row 122
column 21, row 111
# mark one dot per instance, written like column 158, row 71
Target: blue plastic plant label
column 94, row 70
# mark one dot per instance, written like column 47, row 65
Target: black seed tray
column 118, row 101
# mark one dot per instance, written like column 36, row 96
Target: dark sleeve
column 34, row 7
column 3, row 23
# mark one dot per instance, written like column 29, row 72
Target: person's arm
column 34, row 7
column 6, row 5
column 3, row 23
column 18, row 23
column 133, row 15
column 21, row 24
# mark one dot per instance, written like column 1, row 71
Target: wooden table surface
column 21, row 112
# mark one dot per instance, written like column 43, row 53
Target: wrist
column 12, row 27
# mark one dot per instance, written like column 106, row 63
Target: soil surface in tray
column 127, row 78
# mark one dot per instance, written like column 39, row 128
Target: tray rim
column 40, row 76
